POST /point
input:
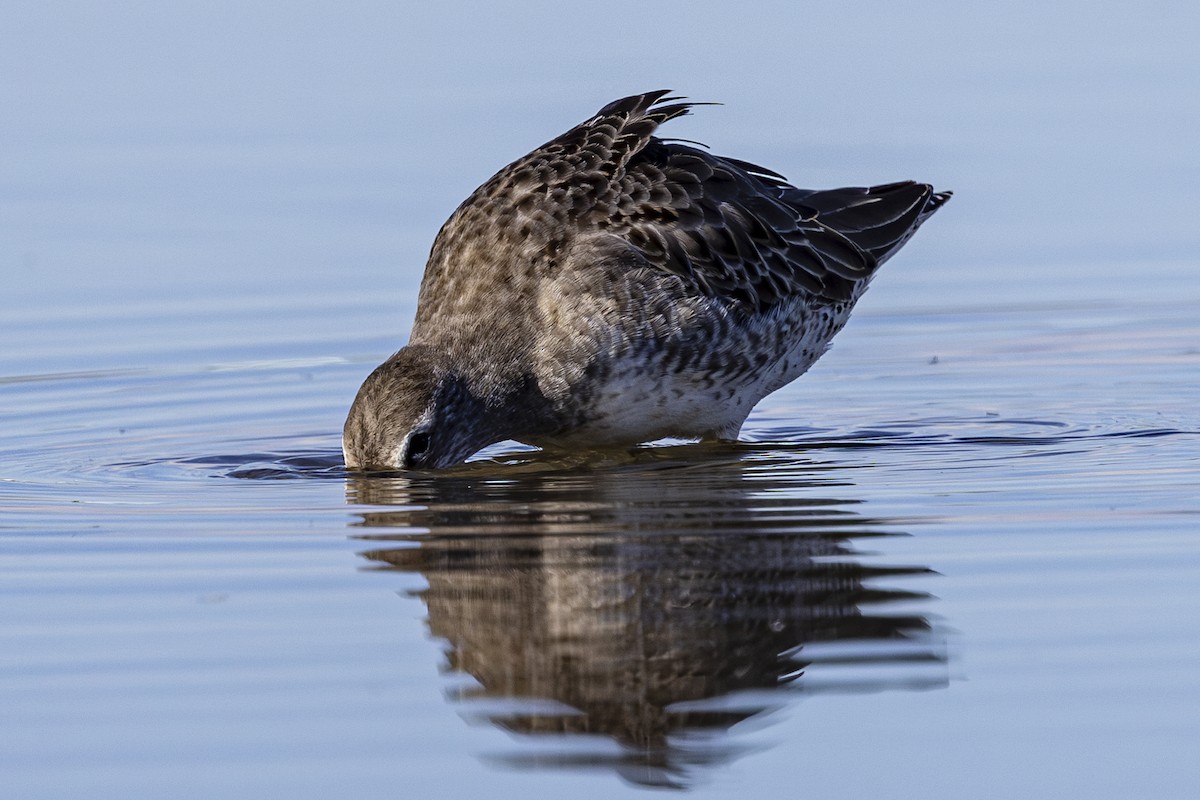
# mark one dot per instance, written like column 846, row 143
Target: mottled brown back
column 732, row 231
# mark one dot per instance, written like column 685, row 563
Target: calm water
column 960, row 558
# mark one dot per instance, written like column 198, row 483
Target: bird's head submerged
column 412, row 413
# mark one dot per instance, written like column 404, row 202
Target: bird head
column 413, row 413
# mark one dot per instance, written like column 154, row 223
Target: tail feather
column 878, row 219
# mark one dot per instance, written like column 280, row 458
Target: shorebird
column 613, row 287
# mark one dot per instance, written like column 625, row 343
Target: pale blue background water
column 212, row 222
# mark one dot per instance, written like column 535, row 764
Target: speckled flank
column 611, row 288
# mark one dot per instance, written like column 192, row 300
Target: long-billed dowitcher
column 612, row 288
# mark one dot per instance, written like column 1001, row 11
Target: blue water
column 957, row 559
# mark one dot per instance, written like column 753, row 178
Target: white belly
column 642, row 401
column 687, row 368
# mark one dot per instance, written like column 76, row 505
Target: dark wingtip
column 661, row 104
column 636, row 103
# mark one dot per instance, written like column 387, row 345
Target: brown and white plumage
column 612, row 288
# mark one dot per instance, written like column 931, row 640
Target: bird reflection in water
column 654, row 604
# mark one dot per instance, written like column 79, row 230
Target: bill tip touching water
column 612, row 288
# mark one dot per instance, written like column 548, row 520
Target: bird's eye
column 418, row 445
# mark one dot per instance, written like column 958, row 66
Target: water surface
column 957, row 559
